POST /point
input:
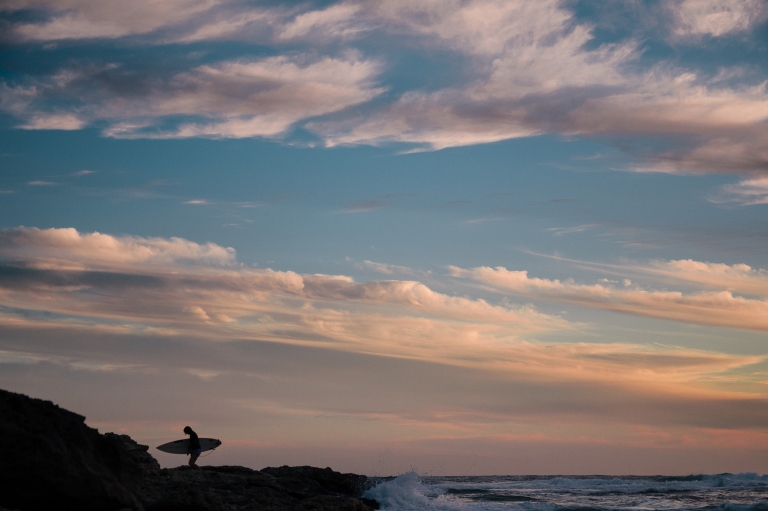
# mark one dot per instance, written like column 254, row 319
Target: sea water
column 726, row 492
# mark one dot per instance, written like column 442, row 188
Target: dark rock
column 319, row 481
column 137, row 453
column 50, row 459
column 331, row 503
column 229, row 488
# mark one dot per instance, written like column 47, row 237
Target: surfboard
column 182, row 446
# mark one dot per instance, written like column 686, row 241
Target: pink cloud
column 233, row 99
column 748, row 192
column 174, row 286
column 711, row 307
column 77, row 19
column 715, row 17
column 534, row 70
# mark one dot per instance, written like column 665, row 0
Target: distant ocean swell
column 721, row 492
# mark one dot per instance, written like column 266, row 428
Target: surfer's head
column 187, row 430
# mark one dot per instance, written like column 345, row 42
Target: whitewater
column 726, row 492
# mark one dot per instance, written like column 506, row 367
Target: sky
column 461, row 237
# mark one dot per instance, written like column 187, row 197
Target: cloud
column 524, row 51
column 748, row 192
column 60, row 278
column 718, row 307
column 178, row 21
column 66, row 122
column 231, row 99
column 182, row 21
column 185, row 288
column 392, row 269
column 523, row 69
column 230, row 25
column 740, row 278
column 560, row 231
column 79, row 19
column 188, row 287
column 336, row 21
column 725, row 126
column 69, row 249
column 535, row 71
column 715, row 18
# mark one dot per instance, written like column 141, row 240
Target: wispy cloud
column 715, row 17
column 254, row 23
column 41, row 183
column 180, row 287
column 560, row 231
column 232, row 99
column 748, row 192
column 539, row 77
column 525, row 51
column 717, row 307
column 53, row 121
column 529, row 90
column 740, row 278
column 392, row 269
column 73, row 19
column 337, row 21
column 529, row 68
column 182, row 21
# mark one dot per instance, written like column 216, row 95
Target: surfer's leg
column 193, row 457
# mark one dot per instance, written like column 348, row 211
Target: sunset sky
column 454, row 236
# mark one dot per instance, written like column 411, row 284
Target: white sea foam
column 407, row 493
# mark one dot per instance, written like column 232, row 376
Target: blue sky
column 377, row 235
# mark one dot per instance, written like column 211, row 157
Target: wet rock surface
column 52, row 460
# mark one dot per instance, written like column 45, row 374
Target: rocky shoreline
column 50, row 459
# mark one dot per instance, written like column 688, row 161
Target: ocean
column 727, row 492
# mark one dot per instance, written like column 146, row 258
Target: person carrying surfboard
column 194, row 446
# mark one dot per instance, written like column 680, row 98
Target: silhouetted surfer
column 194, row 446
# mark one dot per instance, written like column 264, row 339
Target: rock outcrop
column 50, row 459
column 238, row 488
